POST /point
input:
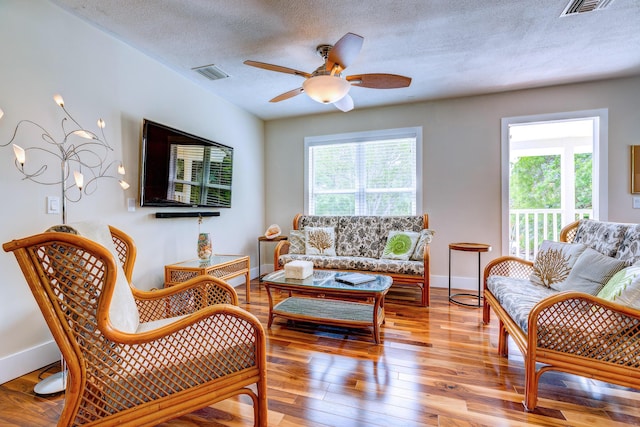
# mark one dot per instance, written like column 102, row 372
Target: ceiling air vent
column 582, row 6
column 211, row 72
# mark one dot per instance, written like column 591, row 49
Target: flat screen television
column 183, row 170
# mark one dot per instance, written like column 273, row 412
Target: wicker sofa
column 359, row 244
column 576, row 332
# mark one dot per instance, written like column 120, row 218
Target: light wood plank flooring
column 437, row 366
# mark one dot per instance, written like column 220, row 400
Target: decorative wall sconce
column 78, row 151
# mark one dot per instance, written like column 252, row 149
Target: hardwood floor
column 437, row 366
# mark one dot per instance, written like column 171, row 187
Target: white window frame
column 356, row 137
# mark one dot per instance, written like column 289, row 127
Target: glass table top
column 327, row 280
column 204, row 263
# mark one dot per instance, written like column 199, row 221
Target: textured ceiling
column 448, row 47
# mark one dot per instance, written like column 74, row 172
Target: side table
column 266, row 239
column 221, row 266
column 468, row 247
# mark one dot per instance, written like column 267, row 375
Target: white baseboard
column 464, row 283
column 31, row 359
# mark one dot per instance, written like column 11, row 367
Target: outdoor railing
column 529, row 227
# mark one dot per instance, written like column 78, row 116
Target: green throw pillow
column 400, row 245
column 623, row 288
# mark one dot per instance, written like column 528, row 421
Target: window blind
column 200, row 173
column 365, row 176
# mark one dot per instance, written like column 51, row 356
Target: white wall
column 44, row 51
column 461, row 158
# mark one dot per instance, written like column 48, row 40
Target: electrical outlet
column 131, row 204
column 636, row 202
column 53, row 205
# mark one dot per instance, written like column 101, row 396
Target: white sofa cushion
column 123, row 312
column 554, row 262
column 590, row 273
column 320, row 241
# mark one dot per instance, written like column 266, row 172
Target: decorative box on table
column 298, row 269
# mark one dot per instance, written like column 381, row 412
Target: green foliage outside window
column 535, row 183
column 584, row 181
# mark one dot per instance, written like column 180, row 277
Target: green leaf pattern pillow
column 623, row 288
column 400, row 245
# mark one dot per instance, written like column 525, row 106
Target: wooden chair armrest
column 508, row 266
column 568, row 232
column 205, row 318
column 582, row 324
column 281, row 248
column 183, row 298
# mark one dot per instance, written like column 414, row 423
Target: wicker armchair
column 139, row 357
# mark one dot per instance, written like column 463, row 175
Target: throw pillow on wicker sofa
column 624, row 287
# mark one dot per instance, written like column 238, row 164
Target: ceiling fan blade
column 379, row 81
column 344, row 52
column 277, row 68
column 287, row 95
column 345, row 103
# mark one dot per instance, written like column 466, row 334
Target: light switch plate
column 53, row 205
column 131, row 204
column 636, row 202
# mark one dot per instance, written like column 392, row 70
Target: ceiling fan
column 326, row 84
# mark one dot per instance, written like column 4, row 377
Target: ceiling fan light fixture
column 326, row 89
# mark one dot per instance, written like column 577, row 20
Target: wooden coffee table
column 323, row 300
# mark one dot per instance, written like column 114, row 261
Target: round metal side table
column 468, row 247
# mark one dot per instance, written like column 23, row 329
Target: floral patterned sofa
column 357, row 243
column 576, row 308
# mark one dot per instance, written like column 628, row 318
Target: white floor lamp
column 78, row 151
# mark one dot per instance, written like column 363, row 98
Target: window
column 554, row 171
column 364, row 173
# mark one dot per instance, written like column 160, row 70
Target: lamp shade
column 20, row 154
column 79, row 179
column 326, row 89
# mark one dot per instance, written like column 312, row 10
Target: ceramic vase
column 204, row 246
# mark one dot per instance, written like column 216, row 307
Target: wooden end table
column 266, row 239
column 221, row 266
column 468, row 247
